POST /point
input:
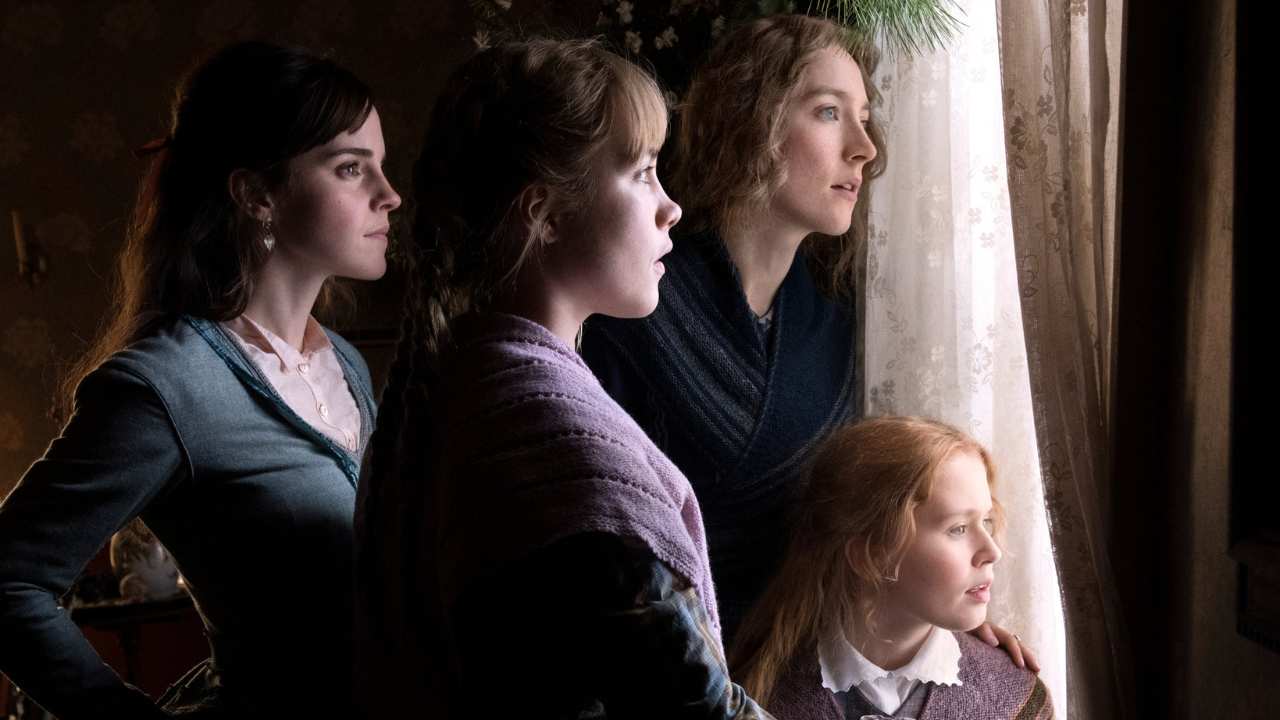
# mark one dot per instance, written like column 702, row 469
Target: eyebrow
column 970, row 512
column 828, row 90
column 362, row 152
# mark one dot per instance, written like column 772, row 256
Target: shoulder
column 799, row 692
column 173, row 353
column 990, row 674
column 977, row 658
column 150, row 378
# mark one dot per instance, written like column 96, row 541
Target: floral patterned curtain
column 1060, row 72
column 943, row 324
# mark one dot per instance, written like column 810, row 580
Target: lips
column 380, row 232
column 980, row 593
column 658, row 267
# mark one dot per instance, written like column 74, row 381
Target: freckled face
column 332, row 217
column 826, row 146
column 945, row 578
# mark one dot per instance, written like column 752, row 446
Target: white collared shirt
column 843, row 668
column 311, row 382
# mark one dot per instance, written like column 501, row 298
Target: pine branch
column 909, row 26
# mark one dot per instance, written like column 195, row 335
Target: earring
column 268, row 239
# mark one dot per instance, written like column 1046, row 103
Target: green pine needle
column 909, row 26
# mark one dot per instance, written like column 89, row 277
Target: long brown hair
column 189, row 249
column 853, row 523
column 729, row 160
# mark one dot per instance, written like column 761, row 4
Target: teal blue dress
column 253, row 503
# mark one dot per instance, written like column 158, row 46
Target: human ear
column 534, row 205
column 249, row 192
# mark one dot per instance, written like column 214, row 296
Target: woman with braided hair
column 515, row 528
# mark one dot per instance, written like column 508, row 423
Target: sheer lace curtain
column 1061, row 62
column 943, row 323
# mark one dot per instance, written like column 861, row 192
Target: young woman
column 751, row 357
column 891, row 563
column 524, row 548
column 215, row 407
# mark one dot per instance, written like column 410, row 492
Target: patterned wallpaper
column 83, row 83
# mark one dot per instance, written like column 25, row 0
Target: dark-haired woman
column 215, row 407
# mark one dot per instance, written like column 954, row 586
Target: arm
column 114, row 457
column 664, row 657
column 596, row 619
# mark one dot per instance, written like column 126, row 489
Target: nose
column 386, row 198
column 669, row 212
column 858, row 144
column 989, row 553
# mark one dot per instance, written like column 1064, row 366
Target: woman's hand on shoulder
column 996, row 636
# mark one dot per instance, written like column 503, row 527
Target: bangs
column 334, row 102
column 639, row 111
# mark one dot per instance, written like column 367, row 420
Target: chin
column 370, row 271
column 637, row 308
column 834, row 227
column 644, row 309
column 970, row 623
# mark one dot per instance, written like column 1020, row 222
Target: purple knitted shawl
column 993, row 689
column 535, row 451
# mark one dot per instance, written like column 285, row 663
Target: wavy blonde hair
column 729, row 160
column 854, row 522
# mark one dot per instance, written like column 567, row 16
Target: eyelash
column 988, row 523
column 646, row 173
column 835, row 115
column 346, row 170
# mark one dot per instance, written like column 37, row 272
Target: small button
column 324, row 410
column 304, row 367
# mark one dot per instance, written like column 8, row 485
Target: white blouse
column 310, row 381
